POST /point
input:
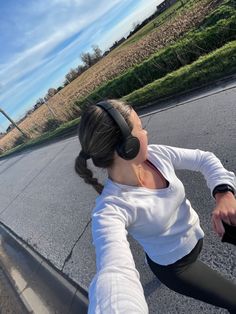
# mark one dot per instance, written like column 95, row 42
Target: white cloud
column 51, row 33
column 44, row 26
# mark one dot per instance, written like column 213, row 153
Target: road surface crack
column 80, row 236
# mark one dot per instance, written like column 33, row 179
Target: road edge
column 40, row 287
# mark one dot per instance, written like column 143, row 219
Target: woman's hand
column 225, row 210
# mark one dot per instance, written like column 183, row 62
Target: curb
column 40, row 287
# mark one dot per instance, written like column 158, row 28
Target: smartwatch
column 223, row 188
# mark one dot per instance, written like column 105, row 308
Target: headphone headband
column 117, row 117
column 128, row 147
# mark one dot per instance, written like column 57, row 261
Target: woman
column 143, row 196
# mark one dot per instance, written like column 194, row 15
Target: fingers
column 226, row 218
column 218, row 225
column 214, row 226
column 225, row 210
column 229, row 218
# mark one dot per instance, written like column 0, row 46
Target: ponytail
column 85, row 173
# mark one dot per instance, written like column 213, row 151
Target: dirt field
column 115, row 63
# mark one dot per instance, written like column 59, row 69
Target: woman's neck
column 127, row 173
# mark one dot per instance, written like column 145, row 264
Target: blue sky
column 42, row 40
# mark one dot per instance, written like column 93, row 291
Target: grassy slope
column 205, row 70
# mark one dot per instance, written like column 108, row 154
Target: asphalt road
column 46, row 204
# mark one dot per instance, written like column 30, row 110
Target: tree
column 80, row 69
column 51, row 92
column 87, row 59
column 73, row 74
column 97, row 52
column 39, row 103
column 59, row 88
column 66, row 82
column 91, row 58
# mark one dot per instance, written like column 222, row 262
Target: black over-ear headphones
column 128, row 148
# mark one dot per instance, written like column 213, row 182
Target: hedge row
column 224, row 11
column 219, row 63
column 169, row 59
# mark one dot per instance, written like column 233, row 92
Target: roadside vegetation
column 205, row 70
column 62, row 131
column 187, row 50
column 197, row 54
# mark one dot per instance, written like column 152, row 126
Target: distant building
column 165, row 5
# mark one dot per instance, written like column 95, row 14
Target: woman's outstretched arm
column 116, row 287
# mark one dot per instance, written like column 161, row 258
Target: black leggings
column 195, row 279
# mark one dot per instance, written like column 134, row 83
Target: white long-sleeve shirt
column 161, row 220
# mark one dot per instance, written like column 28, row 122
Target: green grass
column 215, row 65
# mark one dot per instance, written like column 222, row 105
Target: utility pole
column 4, row 113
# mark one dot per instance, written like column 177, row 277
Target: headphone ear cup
column 129, row 148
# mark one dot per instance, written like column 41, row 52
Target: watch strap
column 223, row 188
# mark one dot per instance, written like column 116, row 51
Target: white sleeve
column 205, row 162
column 116, row 287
